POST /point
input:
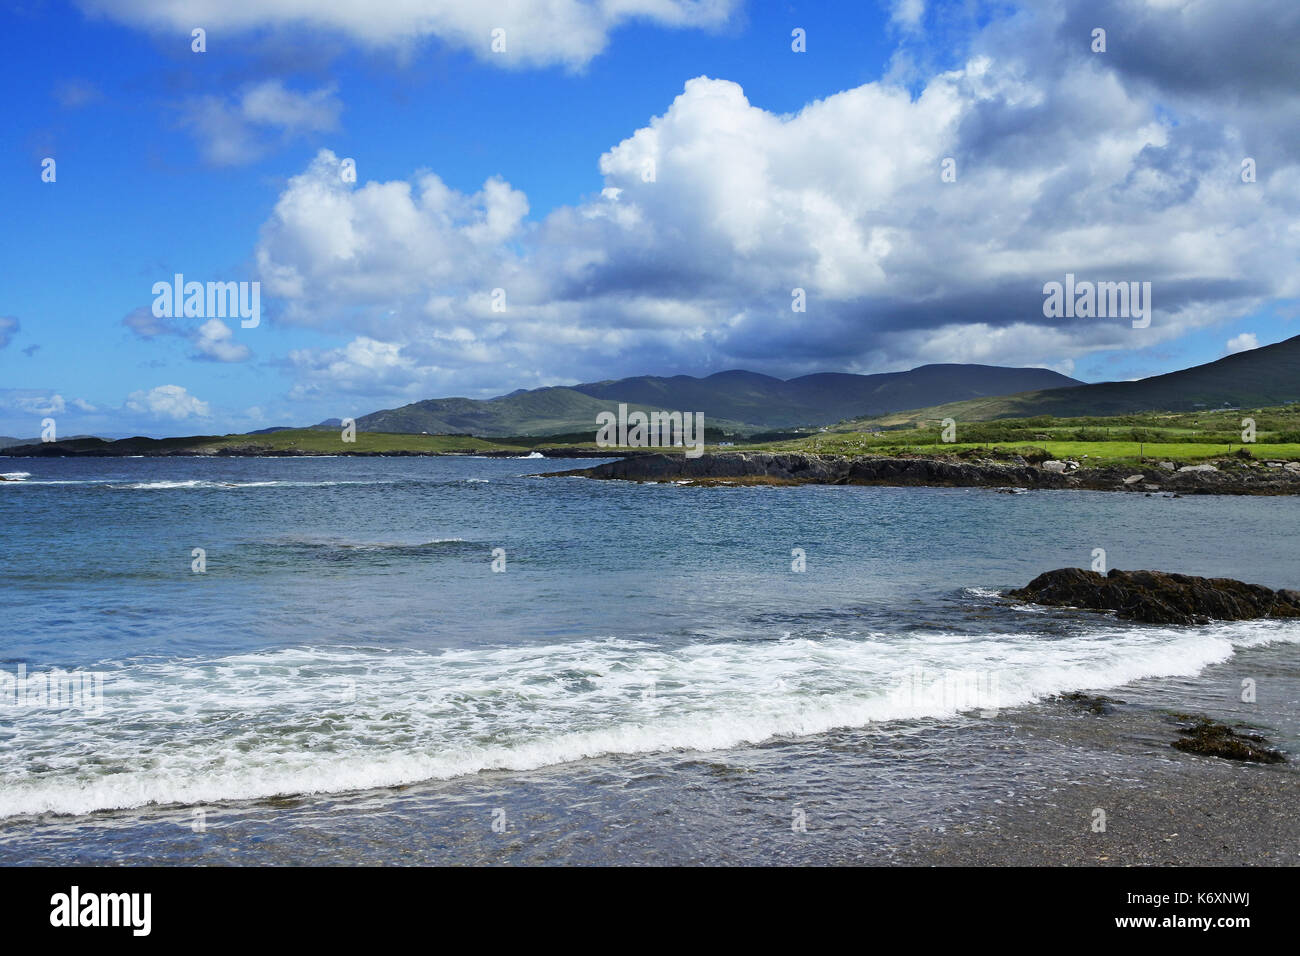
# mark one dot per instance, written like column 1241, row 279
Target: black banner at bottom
column 333, row 905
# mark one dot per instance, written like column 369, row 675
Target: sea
column 424, row 660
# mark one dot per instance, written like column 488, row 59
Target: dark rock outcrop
column 767, row 468
column 1092, row 703
column 760, row 468
column 1159, row 598
column 1201, row 735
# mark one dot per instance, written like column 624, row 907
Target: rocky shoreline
column 1159, row 597
column 1233, row 477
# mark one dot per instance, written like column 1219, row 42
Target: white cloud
column 48, row 404
column 363, row 365
column 907, row 14
column 1243, row 342
column 712, row 212
column 568, row 32
column 383, row 241
column 167, row 401
column 270, row 104
column 213, row 341
column 19, row 406
column 241, row 129
column 8, row 326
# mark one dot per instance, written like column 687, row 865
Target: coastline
column 56, row 450
column 1017, row 789
column 750, row 468
column 1162, row 807
column 1225, row 477
column 1176, row 813
column 1013, row 787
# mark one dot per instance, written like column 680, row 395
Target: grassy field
column 1128, row 439
column 1086, row 452
column 1095, row 453
column 1124, row 439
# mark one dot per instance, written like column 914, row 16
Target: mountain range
column 747, row 402
column 1268, row 375
column 736, row 400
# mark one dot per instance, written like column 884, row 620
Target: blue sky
column 222, row 165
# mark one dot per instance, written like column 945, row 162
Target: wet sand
column 1019, row 787
column 1161, row 808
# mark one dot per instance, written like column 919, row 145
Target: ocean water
column 350, row 668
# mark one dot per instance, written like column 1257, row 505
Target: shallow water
column 647, row 665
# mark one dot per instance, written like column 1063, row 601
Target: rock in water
column 1201, row 735
column 1158, row 597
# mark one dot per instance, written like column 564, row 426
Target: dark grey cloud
column 1233, row 53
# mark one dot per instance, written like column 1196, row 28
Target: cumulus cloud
column 364, row 366
column 8, row 326
column 213, row 341
column 167, row 401
column 713, row 213
column 384, row 242
column 232, row 131
column 1242, row 343
column 567, row 32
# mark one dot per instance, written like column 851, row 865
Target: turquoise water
column 349, row 634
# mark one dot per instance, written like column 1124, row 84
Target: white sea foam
column 331, row 720
column 15, row 475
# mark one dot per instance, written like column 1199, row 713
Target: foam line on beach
column 301, row 721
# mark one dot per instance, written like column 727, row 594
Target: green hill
column 1266, row 376
column 543, row 411
column 737, row 401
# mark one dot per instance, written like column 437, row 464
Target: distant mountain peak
column 733, row 399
